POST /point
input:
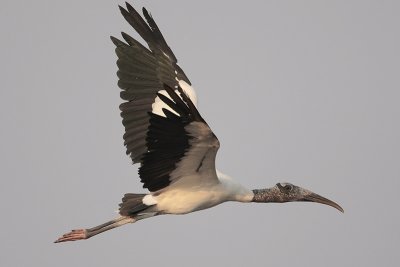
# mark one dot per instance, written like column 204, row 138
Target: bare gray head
column 286, row 192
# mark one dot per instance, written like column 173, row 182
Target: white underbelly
column 188, row 195
column 183, row 201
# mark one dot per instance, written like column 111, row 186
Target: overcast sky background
column 299, row 91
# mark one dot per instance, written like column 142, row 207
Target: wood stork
column 166, row 134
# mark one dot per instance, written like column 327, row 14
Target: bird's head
column 286, row 192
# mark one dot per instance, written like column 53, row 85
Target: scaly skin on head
column 285, row 192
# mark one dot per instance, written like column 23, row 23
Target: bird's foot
column 78, row 234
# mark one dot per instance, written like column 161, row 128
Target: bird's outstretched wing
column 163, row 129
column 181, row 146
column 142, row 73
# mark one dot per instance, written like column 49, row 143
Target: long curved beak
column 319, row 199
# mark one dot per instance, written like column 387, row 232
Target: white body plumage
column 185, row 197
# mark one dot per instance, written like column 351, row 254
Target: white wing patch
column 158, row 104
column 189, row 90
column 149, row 200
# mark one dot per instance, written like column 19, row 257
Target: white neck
column 234, row 190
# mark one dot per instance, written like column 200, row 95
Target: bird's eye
column 288, row 188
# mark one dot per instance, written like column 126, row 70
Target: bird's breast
column 188, row 199
column 185, row 201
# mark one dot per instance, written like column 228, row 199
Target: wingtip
column 145, row 12
column 115, row 40
column 125, row 35
column 129, row 6
column 123, row 11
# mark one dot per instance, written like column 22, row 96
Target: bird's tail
column 132, row 204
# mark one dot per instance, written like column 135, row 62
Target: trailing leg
column 81, row 234
column 132, row 209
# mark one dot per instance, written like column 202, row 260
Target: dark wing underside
column 170, row 144
column 142, row 73
column 180, row 145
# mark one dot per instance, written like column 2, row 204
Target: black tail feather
column 132, row 204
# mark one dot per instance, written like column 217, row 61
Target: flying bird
column 167, row 136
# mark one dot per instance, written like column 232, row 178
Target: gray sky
column 299, row 91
